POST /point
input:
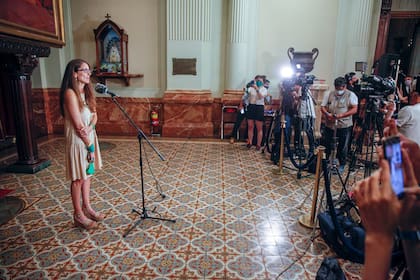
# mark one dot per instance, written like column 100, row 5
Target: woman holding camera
column 255, row 114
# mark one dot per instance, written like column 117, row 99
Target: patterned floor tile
column 229, row 225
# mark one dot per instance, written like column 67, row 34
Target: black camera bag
column 343, row 233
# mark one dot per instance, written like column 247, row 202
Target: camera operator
column 338, row 107
column 289, row 107
column 305, row 118
column 353, row 83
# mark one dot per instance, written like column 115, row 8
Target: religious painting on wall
column 111, row 49
column 40, row 20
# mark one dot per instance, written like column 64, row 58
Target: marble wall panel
column 182, row 114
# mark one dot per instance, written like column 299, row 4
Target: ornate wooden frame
column 12, row 23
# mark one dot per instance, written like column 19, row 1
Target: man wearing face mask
column 352, row 82
column 405, row 91
column 338, row 107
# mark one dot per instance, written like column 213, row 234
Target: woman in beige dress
column 82, row 154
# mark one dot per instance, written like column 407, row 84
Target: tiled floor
column 235, row 218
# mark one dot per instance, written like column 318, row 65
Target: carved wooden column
column 18, row 58
column 383, row 29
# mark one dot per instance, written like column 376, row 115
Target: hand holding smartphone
column 393, row 154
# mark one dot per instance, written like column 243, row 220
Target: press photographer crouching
column 338, row 107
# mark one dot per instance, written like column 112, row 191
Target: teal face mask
column 259, row 84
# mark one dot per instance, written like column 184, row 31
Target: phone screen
column 392, row 151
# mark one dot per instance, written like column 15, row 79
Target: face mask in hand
column 340, row 92
column 259, row 84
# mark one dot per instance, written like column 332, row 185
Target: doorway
column 402, row 40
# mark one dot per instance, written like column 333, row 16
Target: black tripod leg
column 143, row 215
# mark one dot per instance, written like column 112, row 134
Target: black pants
column 343, row 139
column 239, row 118
column 305, row 124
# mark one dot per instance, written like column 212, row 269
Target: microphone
column 103, row 89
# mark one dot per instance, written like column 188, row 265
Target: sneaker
column 231, row 140
column 248, row 146
column 258, row 148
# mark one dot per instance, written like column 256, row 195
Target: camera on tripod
column 375, row 90
column 299, row 79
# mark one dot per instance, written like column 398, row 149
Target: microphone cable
column 157, row 184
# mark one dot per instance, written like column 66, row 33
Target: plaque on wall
column 184, row 66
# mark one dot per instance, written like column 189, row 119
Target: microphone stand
column 140, row 135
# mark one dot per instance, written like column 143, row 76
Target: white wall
column 141, row 20
column 301, row 24
column 280, row 24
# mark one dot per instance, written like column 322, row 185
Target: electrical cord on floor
column 157, row 185
column 311, row 239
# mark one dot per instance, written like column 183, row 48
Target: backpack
column 330, row 270
column 342, row 229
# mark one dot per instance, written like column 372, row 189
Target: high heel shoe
column 94, row 216
column 89, row 224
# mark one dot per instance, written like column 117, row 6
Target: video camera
column 375, row 90
column 376, row 86
column 303, row 80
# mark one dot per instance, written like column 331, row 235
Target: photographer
column 305, row 118
column 353, row 83
column 242, row 109
column 338, row 107
column 288, row 107
column 382, row 213
column 255, row 115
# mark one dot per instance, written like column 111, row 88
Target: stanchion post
column 281, row 149
column 309, row 220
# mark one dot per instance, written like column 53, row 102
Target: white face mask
column 408, row 82
column 340, row 92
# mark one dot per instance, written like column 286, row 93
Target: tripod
column 367, row 126
column 140, row 135
column 332, row 164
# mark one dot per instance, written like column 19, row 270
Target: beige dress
column 75, row 150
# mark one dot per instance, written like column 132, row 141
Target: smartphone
column 392, row 153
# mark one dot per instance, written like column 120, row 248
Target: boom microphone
column 103, row 89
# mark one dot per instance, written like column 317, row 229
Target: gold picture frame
column 35, row 20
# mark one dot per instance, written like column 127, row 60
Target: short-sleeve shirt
column 339, row 104
column 408, row 122
column 254, row 98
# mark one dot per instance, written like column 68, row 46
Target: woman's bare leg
column 259, row 125
column 250, row 131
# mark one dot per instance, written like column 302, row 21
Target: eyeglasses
column 86, row 70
